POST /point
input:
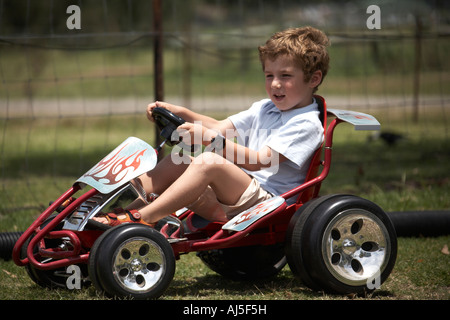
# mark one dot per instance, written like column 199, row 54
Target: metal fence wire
column 63, row 61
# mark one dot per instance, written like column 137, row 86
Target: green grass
column 412, row 175
column 358, row 68
column 421, row 273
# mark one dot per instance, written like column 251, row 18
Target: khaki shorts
column 254, row 194
column 210, row 206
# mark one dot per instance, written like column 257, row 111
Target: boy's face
column 285, row 84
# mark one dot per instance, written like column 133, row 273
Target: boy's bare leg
column 157, row 180
column 164, row 174
column 179, row 185
column 227, row 180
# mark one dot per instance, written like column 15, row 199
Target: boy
column 277, row 137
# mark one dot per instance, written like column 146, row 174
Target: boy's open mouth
column 279, row 97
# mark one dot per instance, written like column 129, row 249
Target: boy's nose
column 276, row 85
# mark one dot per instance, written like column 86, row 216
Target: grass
column 421, row 273
column 359, row 68
column 412, row 175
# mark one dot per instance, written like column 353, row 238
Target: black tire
column 293, row 257
column 7, row 242
column 246, row 263
column 341, row 244
column 132, row 261
column 93, row 253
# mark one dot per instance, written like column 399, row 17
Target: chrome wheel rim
column 355, row 247
column 138, row 264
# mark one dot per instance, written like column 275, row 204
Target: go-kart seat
column 316, row 160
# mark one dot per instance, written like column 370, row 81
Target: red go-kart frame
column 336, row 243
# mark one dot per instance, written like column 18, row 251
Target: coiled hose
column 7, row 242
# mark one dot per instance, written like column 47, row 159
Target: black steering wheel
column 167, row 122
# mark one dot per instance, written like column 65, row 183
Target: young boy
column 277, row 138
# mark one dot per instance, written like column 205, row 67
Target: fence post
column 417, row 67
column 158, row 62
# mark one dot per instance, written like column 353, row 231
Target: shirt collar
column 288, row 114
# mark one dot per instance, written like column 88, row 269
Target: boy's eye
column 286, row 75
column 269, row 76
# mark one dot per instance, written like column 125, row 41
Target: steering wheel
column 167, row 122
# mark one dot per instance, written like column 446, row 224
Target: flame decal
column 113, row 170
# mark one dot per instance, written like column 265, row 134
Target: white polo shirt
column 295, row 133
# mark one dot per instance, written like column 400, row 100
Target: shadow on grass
column 213, row 286
column 281, row 287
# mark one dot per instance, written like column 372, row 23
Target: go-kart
column 336, row 243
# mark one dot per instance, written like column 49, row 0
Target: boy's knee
column 209, row 158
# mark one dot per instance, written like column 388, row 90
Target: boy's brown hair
column 307, row 46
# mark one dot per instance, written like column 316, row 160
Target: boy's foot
column 122, row 216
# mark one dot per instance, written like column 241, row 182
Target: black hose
column 7, row 242
column 421, row 223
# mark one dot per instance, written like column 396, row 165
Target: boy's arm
column 191, row 116
column 249, row 159
column 242, row 156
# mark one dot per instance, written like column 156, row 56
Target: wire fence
column 65, row 64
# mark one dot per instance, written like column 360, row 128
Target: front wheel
column 132, row 260
column 341, row 244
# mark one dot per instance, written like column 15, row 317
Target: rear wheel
column 341, row 244
column 246, row 263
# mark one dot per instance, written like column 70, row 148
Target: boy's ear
column 315, row 79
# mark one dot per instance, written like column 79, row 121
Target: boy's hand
column 195, row 133
column 172, row 108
